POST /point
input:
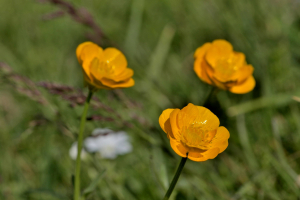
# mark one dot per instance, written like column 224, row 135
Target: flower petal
column 223, row 146
column 198, row 116
column 196, row 156
column 115, row 58
column 126, row 74
column 245, row 72
column 239, row 60
column 219, row 84
column 219, row 49
column 221, row 136
column 164, row 121
column 187, row 115
column 244, row 87
column 209, row 154
column 174, row 124
column 226, row 67
column 86, row 52
column 209, row 71
column 178, row 148
column 201, row 73
column 200, row 52
column 96, row 76
column 113, row 85
column 79, row 50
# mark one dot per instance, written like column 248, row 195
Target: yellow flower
column 194, row 130
column 104, row 69
column 217, row 64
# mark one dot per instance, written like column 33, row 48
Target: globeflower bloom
column 104, row 69
column 217, row 64
column 194, row 132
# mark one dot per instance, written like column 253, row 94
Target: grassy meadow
column 38, row 41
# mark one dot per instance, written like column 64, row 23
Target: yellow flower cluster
column 194, row 131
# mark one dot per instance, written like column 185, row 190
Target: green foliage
column 158, row 38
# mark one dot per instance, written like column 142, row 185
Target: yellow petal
column 210, row 74
column 174, row 124
column 201, row 73
column 244, row 87
column 99, row 85
column 115, row 58
column 198, row 116
column 103, row 82
column 187, row 115
column 164, row 121
column 95, row 76
column 86, row 77
column 113, row 85
column 209, row 154
column 238, row 60
column 199, row 123
column 200, row 52
column 126, row 74
column 221, row 136
column 196, row 156
column 209, row 71
column 178, row 148
column 96, row 84
column 89, row 51
column 223, row 146
column 95, row 69
column 86, row 52
column 219, row 84
column 198, row 68
column 219, row 49
column 226, row 67
column 206, row 118
column 245, row 72
column 79, row 50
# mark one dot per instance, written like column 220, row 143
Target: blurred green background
column 158, row 38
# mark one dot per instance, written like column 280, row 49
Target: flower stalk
column 79, row 146
column 194, row 133
column 176, row 177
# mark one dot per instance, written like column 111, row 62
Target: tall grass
column 158, row 38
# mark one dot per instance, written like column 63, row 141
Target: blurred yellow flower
column 104, row 69
column 217, row 64
column 194, row 130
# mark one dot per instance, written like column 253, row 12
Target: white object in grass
column 73, row 152
column 108, row 143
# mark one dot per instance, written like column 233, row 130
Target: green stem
column 175, row 179
column 79, row 146
column 212, row 92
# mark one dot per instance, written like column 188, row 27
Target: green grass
column 158, row 38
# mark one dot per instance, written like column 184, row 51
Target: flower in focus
column 108, row 143
column 73, row 152
column 194, row 132
column 217, row 64
column 104, row 69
